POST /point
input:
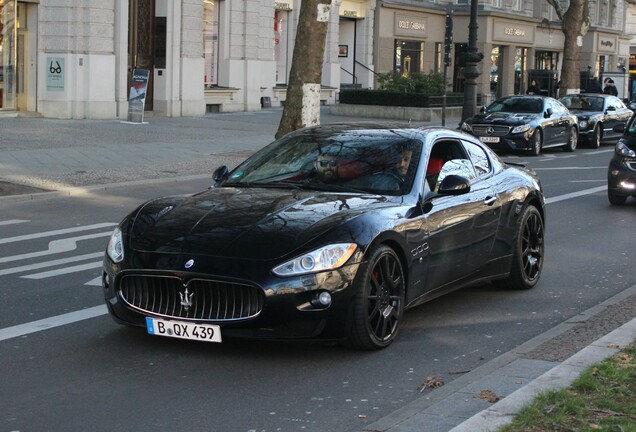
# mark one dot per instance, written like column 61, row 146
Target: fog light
column 321, row 299
column 628, row 185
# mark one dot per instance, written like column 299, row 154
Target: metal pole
column 470, row 70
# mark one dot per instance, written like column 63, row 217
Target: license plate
column 489, row 139
column 183, row 330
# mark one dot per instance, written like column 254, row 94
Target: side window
column 479, row 158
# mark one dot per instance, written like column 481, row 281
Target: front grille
column 498, row 131
column 211, row 300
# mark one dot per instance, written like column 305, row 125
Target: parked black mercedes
column 329, row 234
column 526, row 123
column 621, row 174
column 597, row 115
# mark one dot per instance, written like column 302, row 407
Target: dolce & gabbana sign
column 513, row 32
column 409, row 25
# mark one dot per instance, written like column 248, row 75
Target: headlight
column 623, row 150
column 326, row 258
column 583, row 124
column 466, row 127
column 520, row 129
column 115, row 247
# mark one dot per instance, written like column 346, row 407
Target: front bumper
column 515, row 142
column 287, row 308
column 621, row 176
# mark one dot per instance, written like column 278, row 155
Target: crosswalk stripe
column 52, row 263
column 56, row 246
column 13, row 221
column 65, row 270
column 56, row 321
column 95, row 282
column 56, row 232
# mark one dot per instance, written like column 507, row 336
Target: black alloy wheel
column 572, row 140
column 536, row 142
column 528, row 253
column 379, row 303
column 596, row 136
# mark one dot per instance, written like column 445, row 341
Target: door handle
column 490, row 200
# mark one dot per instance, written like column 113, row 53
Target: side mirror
column 611, row 108
column 548, row 113
column 482, row 109
column 220, row 174
column 619, row 128
column 454, row 185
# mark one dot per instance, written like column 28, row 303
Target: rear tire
column 527, row 256
column 378, row 305
column 572, row 140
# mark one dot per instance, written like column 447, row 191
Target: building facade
column 75, row 59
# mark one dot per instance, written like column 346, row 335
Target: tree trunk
column 573, row 27
column 302, row 105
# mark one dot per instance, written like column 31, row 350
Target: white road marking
column 588, row 181
column 65, row 270
column 47, row 323
column 56, row 232
column 575, row 194
column 60, row 261
column 70, row 318
column 95, row 282
column 56, row 246
column 13, row 221
column 599, row 152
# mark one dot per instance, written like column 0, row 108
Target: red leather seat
column 434, row 166
column 350, row 170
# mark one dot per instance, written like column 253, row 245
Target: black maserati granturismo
column 328, row 233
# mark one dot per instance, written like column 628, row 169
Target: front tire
column 616, row 199
column 528, row 253
column 596, row 137
column 572, row 140
column 536, row 142
column 378, row 305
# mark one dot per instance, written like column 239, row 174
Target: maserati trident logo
column 186, row 299
column 490, row 130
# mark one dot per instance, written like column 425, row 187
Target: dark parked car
column 597, row 115
column 328, row 233
column 621, row 174
column 528, row 123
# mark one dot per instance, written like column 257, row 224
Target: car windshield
column 372, row 161
column 582, row 103
column 516, row 105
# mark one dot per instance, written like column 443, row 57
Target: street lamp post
column 471, row 73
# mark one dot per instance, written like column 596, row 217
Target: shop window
column 409, row 56
column 281, row 52
column 211, row 42
column 438, row 56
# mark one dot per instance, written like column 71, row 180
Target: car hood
column 250, row 223
column 503, row 118
column 584, row 115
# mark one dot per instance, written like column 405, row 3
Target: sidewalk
column 68, row 155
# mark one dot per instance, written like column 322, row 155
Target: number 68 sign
column 55, row 73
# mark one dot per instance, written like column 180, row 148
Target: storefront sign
column 606, row 44
column 55, row 72
column 513, row 32
column 137, row 96
column 410, row 25
column 351, row 9
column 287, row 6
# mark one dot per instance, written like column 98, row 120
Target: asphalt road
column 91, row 373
